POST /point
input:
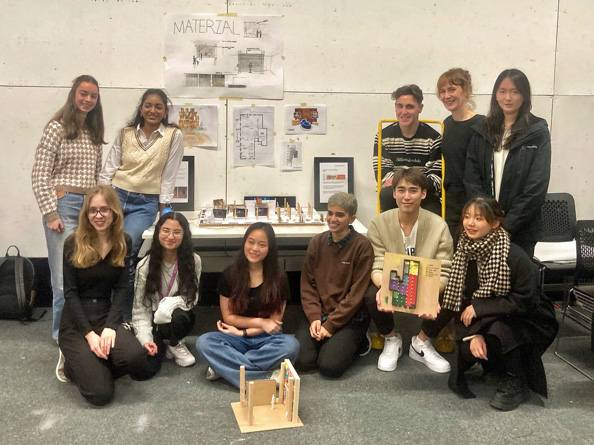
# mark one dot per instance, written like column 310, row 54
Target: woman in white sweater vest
column 142, row 165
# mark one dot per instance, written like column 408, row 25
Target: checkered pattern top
column 63, row 165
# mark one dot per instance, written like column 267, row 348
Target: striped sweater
column 423, row 151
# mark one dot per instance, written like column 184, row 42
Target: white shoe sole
column 412, row 353
column 60, row 375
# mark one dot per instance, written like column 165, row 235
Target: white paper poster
column 334, row 178
column 305, row 119
column 180, row 191
column 253, row 136
column 291, row 156
column 211, row 56
column 198, row 123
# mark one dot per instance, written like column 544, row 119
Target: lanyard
column 173, row 276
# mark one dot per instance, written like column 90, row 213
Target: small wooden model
column 261, row 408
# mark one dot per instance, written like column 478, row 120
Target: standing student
column 509, row 159
column 142, row 165
column 454, row 90
column 335, row 276
column 95, row 348
column 503, row 317
column 166, row 291
column 67, row 165
column 253, row 296
column 409, row 143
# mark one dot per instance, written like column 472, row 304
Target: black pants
column 181, row 324
column 334, row 355
column 384, row 321
column 95, row 376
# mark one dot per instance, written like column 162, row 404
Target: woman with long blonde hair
column 95, row 348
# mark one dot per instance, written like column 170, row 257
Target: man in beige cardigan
column 408, row 230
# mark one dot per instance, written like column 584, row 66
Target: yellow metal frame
column 379, row 162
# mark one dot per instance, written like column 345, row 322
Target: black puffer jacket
column 525, row 179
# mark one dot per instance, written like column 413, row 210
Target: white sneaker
column 180, row 353
column 276, row 376
column 388, row 359
column 424, row 352
column 60, row 368
column 211, row 374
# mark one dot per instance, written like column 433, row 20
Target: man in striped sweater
column 409, row 143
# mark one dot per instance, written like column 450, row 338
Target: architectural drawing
column 224, row 56
column 253, row 129
column 198, row 123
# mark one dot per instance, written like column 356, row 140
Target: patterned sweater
column 63, row 165
column 422, row 151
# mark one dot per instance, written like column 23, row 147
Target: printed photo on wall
column 198, row 123
column 300, row 119
column 291, row 156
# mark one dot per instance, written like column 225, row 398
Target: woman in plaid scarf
column 505, row 321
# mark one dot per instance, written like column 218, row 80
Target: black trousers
column 95, row 376
column 384, row 321
column 181, row 324
column 334, row 355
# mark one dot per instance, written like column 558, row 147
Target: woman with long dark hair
column 503, row 319
column 67, row 165
column 142, row 165
column 166, row 291
column 509, row 158
column 253, row 295
column 95, row 348
column 454, row 90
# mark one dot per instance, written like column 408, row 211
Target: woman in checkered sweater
column 67, row 165
column 503, row 319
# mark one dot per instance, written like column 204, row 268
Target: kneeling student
column 334, row 278
column 165, row 292
column 409, row 230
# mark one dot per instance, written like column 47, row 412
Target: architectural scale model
column 404, row 292
column 250, row 212
column 262, row 408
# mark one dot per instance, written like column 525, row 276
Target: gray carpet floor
column 409, row 405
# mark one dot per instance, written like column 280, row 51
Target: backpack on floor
column 17, row 297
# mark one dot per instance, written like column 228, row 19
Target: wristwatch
column 245, row 333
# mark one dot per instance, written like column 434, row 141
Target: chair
column 558, row 226
column 583, row 288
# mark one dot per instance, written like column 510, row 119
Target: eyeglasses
column 176, row 233
column 105, row 211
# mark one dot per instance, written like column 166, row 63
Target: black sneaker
column 365, row 346
column 511, row 392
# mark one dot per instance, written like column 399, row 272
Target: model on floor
column 454, row 90
column 95, row 348
column 166, row 291
column 253, row 295
column 505, row 320
column 142, row 166
column 334, row 278
column 509, row 159
column 408, row 230
column 67, row 165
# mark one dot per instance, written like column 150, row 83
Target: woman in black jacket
column 509, row 159
column 503, row 319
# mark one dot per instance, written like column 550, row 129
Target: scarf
column 494, row 275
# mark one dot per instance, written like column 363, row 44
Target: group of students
column 489, row 286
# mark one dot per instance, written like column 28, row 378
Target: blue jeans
column 68, row 208
column 260, row 355
column 139, row 213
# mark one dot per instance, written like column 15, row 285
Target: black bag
column 17, row 296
